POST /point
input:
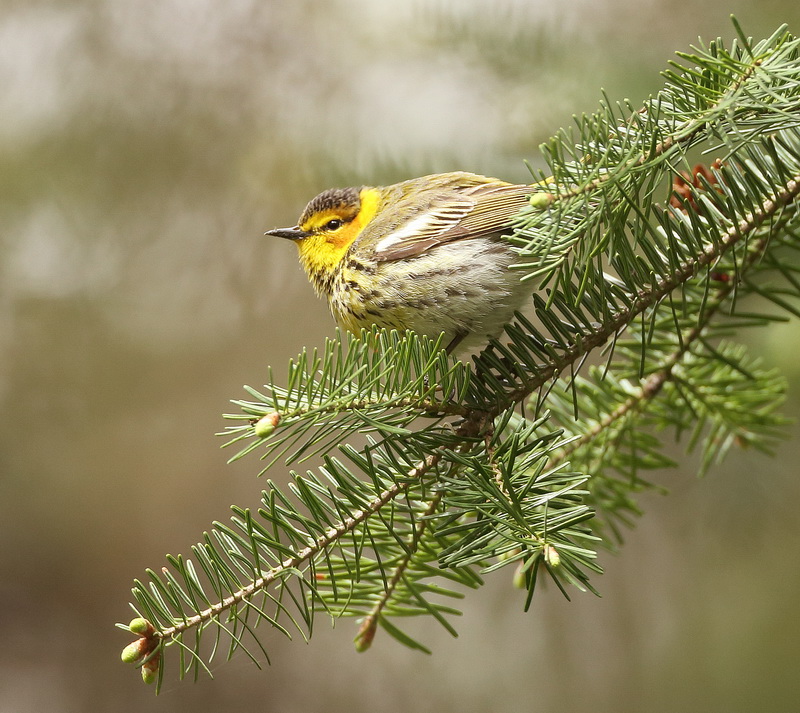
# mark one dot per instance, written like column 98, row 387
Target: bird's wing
column 472, row 212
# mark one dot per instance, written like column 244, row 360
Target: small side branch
column 367, row 629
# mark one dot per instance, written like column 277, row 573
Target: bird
column 426, row 254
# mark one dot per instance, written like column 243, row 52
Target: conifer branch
column 334, row 534
column 646, row 298
column 467, row 430
column 682, row 137
column 468, row 469
column 653, row 384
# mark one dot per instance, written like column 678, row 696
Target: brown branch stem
column 367, row 629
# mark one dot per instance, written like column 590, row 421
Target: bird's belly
column 459, row 288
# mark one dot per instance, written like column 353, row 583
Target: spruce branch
column 334, row 534
column 648, row 298
column 521, row 457
column 380, row 379
column 653, row 384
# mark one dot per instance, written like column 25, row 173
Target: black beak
column 288, row 233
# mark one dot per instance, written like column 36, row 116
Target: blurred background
column 144, row 148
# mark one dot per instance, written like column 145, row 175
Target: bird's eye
column 334, row 224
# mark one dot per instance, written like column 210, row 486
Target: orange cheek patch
column 344, row 237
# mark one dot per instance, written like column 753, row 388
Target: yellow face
column 333, row 221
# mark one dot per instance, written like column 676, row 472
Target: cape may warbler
column 425, row 254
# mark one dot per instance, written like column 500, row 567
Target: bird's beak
column 288, row 233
